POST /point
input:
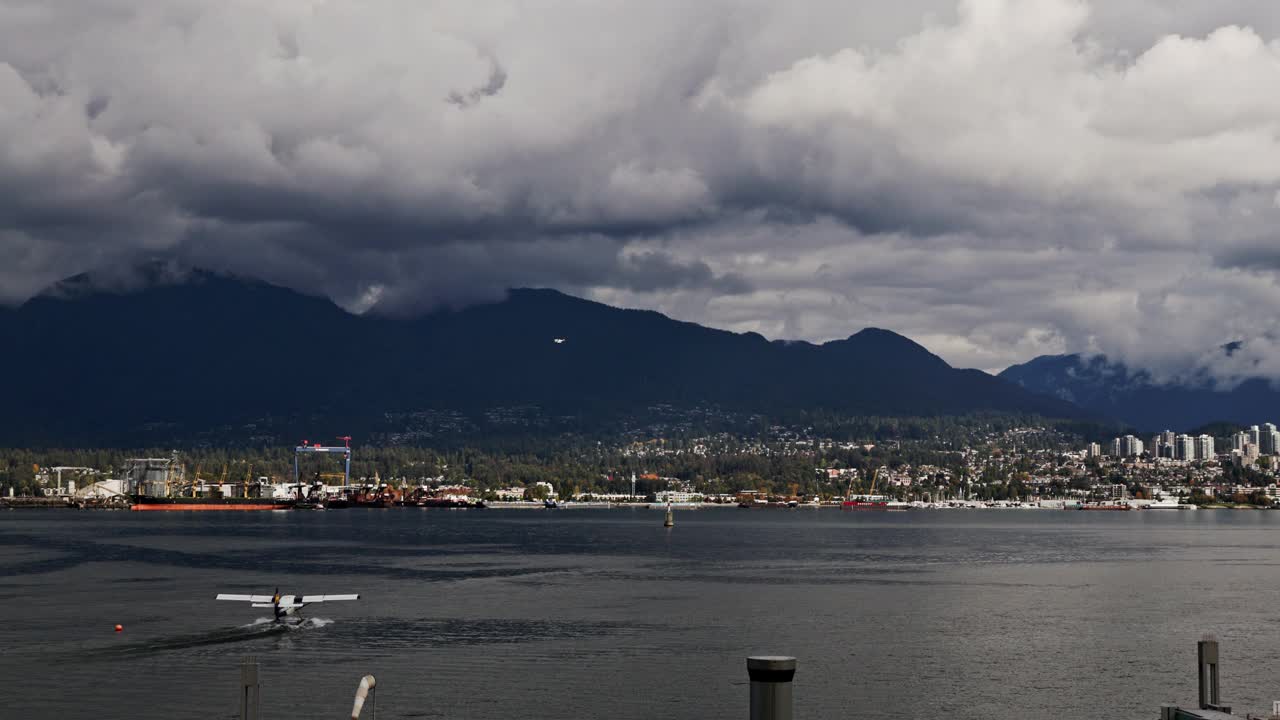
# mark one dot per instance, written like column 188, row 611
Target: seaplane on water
column 284, row 605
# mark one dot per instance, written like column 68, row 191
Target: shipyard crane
column 848, row 493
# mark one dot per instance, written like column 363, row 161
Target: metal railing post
column 771, row 677
column 249, row 689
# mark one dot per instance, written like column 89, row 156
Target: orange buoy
column 119, row 628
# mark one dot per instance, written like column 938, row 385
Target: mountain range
column 216, row 355
column 1110, row 389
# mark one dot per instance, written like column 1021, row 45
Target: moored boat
column 866, row 502
column 1169, row 505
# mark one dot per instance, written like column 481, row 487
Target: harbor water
column 489, row 614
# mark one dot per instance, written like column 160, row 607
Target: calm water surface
column 604, row 614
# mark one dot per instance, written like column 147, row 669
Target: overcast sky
column 996, row 179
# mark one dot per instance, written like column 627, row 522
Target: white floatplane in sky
column 284, row 605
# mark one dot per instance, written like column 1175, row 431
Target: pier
column 1209, row 703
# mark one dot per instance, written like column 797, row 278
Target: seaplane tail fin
column 245, row 598
column 327, row 598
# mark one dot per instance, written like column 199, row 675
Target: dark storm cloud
column 997, row 179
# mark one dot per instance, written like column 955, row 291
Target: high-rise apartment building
column 1127, row 446
column 1184, row 448
column 1204, row 447
column 1240, row 440
column 1268, row 439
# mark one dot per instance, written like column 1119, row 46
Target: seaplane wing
column 308, row 599
column 247, row 598
column 284, row 606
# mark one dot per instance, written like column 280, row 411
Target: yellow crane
column 848, row 493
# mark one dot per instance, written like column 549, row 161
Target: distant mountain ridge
column 182, row 354
column 1111, row 389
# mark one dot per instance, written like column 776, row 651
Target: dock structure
column 38, row 501
column 1210, row 705
column 771, row 695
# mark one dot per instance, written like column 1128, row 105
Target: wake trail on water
column 256, row 630
column 304, row 624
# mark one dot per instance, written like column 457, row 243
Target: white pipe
column 366, row 684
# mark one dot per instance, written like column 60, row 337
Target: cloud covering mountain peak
column 995, row 179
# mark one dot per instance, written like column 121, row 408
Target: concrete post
column 771, row 677
column 1207, row 652
column 249, row 705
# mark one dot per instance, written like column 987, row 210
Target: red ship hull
column 181, row 505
